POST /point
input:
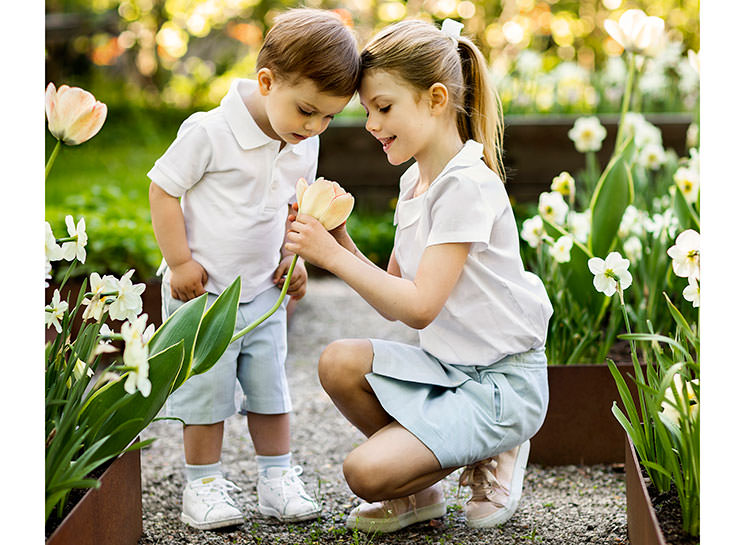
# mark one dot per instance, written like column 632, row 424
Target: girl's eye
column 384, row 109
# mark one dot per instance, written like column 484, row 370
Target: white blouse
column 496, row 308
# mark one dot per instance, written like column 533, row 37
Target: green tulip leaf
column 613, row 194
column 216, row 329
column 137, row 412
column 182, row 325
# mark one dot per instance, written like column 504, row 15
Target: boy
column 234, row 169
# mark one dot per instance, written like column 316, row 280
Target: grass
column 120, row 155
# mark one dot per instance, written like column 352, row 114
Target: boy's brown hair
column 313, row 44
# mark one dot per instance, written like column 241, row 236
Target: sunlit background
column 545, row 56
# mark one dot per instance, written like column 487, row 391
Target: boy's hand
column 188, row 280
column 298, row 280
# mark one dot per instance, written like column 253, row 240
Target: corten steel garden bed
column 579, row 427
column 536, row 148
column 641, row 521
column 109, row 515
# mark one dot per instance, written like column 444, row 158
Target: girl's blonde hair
column 422, row 55
column 314, row 44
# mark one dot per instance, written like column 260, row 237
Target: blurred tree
column 185, row 52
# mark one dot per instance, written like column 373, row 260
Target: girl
column 475, row 389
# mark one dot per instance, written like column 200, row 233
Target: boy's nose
column 313, row 125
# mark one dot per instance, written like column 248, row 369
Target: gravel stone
column 564, row 505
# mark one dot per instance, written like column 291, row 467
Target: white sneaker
column 208, row 505
column 282, row 495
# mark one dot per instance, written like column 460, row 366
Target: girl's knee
column 342, row 363
column 363, row 478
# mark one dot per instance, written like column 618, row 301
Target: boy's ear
column 438, row 98
column 265, row 79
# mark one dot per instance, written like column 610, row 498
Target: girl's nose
column 371, row 125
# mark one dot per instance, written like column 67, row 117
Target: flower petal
column 337, row 212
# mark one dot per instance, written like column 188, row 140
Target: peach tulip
column 73, row 113
column 324, row 200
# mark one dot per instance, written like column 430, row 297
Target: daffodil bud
column 324, row 200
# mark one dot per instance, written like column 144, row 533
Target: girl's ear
column 438, row 98
column 265, row 79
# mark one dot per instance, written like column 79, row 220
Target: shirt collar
column 470, row 153
column 241, row 122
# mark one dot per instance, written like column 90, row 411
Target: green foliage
column 373, row 233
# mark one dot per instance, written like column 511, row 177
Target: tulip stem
column 626, row 100
column 272, row 310
column 52, row 157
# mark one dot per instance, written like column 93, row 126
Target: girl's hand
column 188, row 280
column 339, row 233
column 298, row 280
column 310, row 240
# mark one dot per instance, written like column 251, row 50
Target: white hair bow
column 452, row 29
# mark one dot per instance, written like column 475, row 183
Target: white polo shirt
column 496, row 308
column 235, row 185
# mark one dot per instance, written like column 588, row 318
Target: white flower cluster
column 121, row 298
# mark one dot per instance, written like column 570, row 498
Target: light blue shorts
column 462, row 413
column 256, row 360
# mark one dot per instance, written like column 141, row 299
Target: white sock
column 265, row 462
column 193, row 472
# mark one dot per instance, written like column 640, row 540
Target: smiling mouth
column 387, row 142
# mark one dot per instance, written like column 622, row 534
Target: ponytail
column 480, row 119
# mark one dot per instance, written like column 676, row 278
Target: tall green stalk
column 272, row 310
column 52, row 158
column 626, row 101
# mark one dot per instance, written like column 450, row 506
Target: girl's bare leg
column 392, row 463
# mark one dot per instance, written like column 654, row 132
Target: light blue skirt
column 462, row 413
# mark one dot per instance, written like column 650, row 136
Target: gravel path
column 564, row 505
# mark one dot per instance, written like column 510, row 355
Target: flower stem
column 52, row 157
column 272, row 310
column 626, row 100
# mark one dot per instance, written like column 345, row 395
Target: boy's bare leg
column 270, row 433
column 203, row 443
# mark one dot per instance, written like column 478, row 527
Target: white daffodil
column 651, row 156
column 637, row 32
column 561, row 250
column 687, row 179
column 76, row 248
column 686, row 254
column 692, row 292
column 692, row 135
column 128, row 302
column 564, row 184
column 55, row 312
column 578, row 224
column 587, row 134
column 685, row 393
column 694, row 160
column 552, row 207
column 611, row 272
column 533, row 231
column 632, row 247
column 97, row 303
column 52, row 250
column 136, row 356
column 632, row 222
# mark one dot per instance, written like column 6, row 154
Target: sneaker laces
column 290, row 482
column 481, row 478
column 216, row 491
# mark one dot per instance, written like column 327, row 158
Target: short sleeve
column 462, row 210
column 186, row 159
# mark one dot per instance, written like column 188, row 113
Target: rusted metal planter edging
column 111, row 514
column 641, row 520
column 580, row 428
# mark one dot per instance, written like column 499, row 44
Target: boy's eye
column 304, row 112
